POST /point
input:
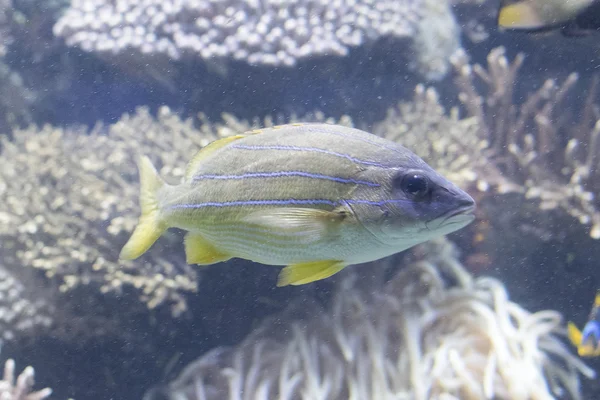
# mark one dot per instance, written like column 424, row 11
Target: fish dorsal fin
column 206, row 151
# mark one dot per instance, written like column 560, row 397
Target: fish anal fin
column 200, row 251
column 300, row 274
column 311, row 222
column 207, row 151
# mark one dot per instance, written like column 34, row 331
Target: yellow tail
column 150, row 225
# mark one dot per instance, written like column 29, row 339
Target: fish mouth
column 458, row 216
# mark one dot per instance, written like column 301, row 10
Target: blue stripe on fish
column 286, row 174
column 287, row 202
column 315, row 149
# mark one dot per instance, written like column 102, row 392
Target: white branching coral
column 434, row 332
column 527, row 140
column 260, row 32
column 21, row 387
column 69, row 202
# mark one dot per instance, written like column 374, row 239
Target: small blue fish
column 588, row 341
column 312, row 197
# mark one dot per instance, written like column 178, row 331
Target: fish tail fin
column 150, row 226
column 574, row 334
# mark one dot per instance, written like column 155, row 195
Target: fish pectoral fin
column 300, row 274
column 295, row 220
column 205, row 152
column 574, row 334
column 200, row 251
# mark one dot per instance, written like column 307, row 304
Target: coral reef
column 21, row 388
column 70, row 204
column 450, row 144
column 434, row 331
column 259, row 32
column 22, row 313
column 535, row 150
column 551, row 158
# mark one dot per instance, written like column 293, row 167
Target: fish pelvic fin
column 200, row 251
column 300, row 274
column 150, row 226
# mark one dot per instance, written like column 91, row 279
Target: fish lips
column 453, row 219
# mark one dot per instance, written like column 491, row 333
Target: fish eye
column 415, row 185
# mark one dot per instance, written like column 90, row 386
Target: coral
column 527, row 141
column 21, row 388
column 21, row 312
column 17, row 99
column 535, row 150
column 450, row 144
column 260, row 32
column 437, row 37
column 70, row 202
column 433, row 332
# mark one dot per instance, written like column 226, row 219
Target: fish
column 588, row 341
column 572, row 17
column 313, row 198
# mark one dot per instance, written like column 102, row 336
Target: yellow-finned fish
column 572, row 17
column 314, row 197
column 588, row 341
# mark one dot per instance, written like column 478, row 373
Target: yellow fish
column 572, row 17
column 313, row 197
column 588, row 341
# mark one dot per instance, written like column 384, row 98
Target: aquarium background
column 87, row 85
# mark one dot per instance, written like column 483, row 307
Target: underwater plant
column 432, row 332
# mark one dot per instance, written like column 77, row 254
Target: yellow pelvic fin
column 199, row 251
column 574, row 334
column 314, row 223
column 300, row 274
column 519, row 15
column 150, row 225
column 205, row 152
